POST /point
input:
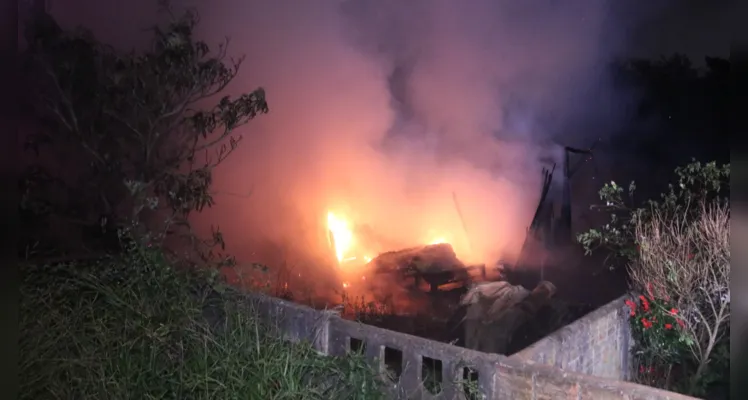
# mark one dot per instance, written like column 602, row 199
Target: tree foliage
column 688, row 260
column 128, row 140
column 677, row 251
column 696, row 182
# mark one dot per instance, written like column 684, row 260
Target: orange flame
column 438, row 240
column 342, row 240
column 348, row 249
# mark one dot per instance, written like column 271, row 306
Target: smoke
column 394, row 114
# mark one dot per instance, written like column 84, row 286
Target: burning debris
column 435, row 264
column 432, row 279
column 432, row 293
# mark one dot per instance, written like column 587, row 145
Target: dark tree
column 125, row 142
column 684, row 108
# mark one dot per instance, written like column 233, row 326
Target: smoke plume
column 395, row 114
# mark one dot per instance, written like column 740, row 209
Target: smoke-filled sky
column 386, row 111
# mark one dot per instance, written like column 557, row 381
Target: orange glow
column 351, row 251
column 347, row 247
column 342, row 237
column 438, row 240
column 358, row 157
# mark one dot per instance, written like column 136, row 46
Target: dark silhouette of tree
column 682, row 105
column 126, row 144
column 680, row 112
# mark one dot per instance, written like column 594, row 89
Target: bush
column 677, row 252
column 133, row 327
column 688, row 261
column 660, row 341
column 697, row 183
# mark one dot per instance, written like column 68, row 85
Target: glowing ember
column 438, row 241
column 341, row 236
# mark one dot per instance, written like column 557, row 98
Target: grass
column 132, row 327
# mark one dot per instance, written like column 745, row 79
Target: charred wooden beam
column 564, row 226
column 535, row 223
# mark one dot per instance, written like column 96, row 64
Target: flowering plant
column 660, row 338
column 680, row 244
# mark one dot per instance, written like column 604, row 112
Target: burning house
column 480, row 306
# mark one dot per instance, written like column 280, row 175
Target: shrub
column 688, row 261
column 697, row 183
column 677, row 252
column 133, row 327
column 660, row 341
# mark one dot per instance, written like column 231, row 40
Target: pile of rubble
column 437, row 265
column 488, row 313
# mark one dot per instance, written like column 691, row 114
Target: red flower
column 645, row 303
column 668, row 326
column 673, row 311
column 680, row 322
column 632, row 307
column 641, row 369
column 647, row 323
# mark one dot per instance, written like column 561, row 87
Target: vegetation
column 133, row 326
column 135, row 133
column 677, row 251
column 112, row 305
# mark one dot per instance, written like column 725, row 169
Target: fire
column 341, row 236
column 349, row 251
column 438, row 240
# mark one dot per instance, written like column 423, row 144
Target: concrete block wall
column 401, row 358
column 597, row 344
column 529, row 381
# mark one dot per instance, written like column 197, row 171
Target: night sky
column 381, row 110
column 428, row 121
column 694, row 27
